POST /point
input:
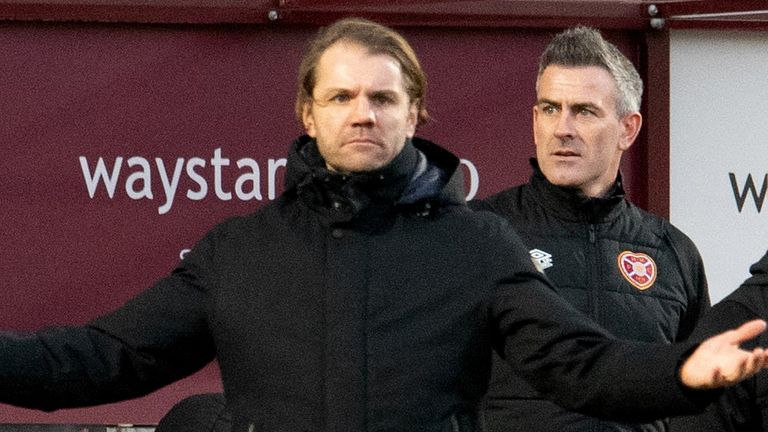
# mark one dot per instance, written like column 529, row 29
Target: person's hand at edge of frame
column 720, row 362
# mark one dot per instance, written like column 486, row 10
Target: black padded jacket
column 630, row 271
column 363, row 302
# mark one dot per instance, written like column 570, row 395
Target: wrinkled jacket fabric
column 579, row 241
column 744, row 407
column 368, row 302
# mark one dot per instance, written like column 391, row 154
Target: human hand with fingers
column 720, row 362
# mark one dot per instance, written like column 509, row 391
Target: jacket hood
column 423, row 173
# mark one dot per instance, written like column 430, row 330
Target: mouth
column 566, row 153
column 363, row 141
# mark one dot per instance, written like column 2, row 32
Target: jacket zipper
column 593, row 274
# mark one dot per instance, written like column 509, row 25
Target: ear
column 309, row 120
column 535, row 121
column 630, row 128
column 413, row 120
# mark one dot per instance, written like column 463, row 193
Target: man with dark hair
column 632, row 272
column 744, row 407
column 367, row 297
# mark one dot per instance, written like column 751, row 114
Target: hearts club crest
column 638, row 269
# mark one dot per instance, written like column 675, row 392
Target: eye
column 341, row 98
column 585, row 112
column 548, row 109
column 382, row 99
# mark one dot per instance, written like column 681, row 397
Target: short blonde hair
column 377, row 39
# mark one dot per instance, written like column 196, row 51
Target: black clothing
column 198, row 413
column 580, row 241
column 744, row 407
column 362, row 302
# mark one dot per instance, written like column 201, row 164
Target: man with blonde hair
column 367, row 297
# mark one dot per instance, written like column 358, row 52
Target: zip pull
column 591, row 233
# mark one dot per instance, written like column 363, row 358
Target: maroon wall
column 74, row 94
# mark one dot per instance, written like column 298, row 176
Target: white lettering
column 474, row 178
column 144, row 175
column 100, row 173
column 252, row 177
column 247, row 185
column 197, row 178
column 217, row 162
column 169, row 187
column 273, row 166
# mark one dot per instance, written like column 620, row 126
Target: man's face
column 579, row 137
column 360, row 114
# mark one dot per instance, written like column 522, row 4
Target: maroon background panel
column 208, row 106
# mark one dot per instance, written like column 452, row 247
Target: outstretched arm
column 719, row 362
column 572, row 361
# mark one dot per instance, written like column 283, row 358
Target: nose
column 363, row 113
column 564, row 129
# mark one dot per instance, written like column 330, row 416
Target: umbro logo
column 542, row 260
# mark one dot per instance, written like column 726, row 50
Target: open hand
column 719, row 362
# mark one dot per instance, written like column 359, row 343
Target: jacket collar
column 423, row 174
column 571, row 204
